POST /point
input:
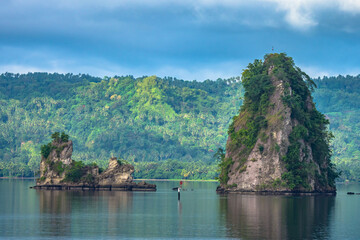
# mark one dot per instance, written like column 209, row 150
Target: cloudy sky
column 187, row 39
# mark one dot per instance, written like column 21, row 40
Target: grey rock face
column 59, row 157
column 116, row 173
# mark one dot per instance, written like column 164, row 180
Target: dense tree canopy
column 167, row 128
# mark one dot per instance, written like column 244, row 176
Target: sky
column 190, row 40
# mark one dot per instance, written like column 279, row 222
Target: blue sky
column 204, row 39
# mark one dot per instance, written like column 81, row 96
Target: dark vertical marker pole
column 179, row 190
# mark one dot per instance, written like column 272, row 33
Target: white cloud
column 299, row 14
column 350, row 6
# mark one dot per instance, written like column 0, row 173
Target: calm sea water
column 201, row 213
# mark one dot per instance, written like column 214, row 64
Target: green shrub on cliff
column 57, row 138
column 46, row 149
column 75, row 172
column 312, row 125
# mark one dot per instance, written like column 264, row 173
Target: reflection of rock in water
column 277, row 217
column 56, row 209
column 119, row 206
column 67, row 212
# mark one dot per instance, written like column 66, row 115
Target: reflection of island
column 277, row 217
column 56, row 209
column 67, row 212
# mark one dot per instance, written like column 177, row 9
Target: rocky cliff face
column 57, row 168
column 52, row 167
column 279, row 141
column 116, row 173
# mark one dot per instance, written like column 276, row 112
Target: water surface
column 201, row 214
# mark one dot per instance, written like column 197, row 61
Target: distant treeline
column 339, row 98
column 167, row 128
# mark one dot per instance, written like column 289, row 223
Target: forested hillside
column 339, row 98
column 167, row 128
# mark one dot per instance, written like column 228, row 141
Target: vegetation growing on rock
column 57, row 167
column 278, row 133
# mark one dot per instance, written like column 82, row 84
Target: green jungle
column 166, row 127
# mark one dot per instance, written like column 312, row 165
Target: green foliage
column 243, row 168
column 257, row 87
column 41, row 179
column 274, row 185
column 60, row 138
column 312, row 126
column 46, row 149
column 58, row 150
column 89, row 179
column 223, row 165
column 277, row 148
column 261, row 148
column 104, row 118
column 172, row 169
column 296, row 174
column 247, row 136
column 147, row 119
column 57, row 167
column 64, row 137
column 234, row 185
column 57, row 138
column 251, row 119
column 339, row 98
column 122, row 161
column 75, row 172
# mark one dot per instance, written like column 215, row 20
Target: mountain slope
column 120, row 116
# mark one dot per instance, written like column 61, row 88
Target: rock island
column 279, row 142
column 59, row 171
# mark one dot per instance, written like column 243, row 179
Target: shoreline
column 18, row 178
column 161, row 180
column 174, row 180
column 137, row 179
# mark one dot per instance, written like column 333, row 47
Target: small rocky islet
column 59, row 172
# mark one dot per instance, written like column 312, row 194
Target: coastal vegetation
column 165, row 127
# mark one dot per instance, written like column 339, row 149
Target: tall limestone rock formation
column 279, row 142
